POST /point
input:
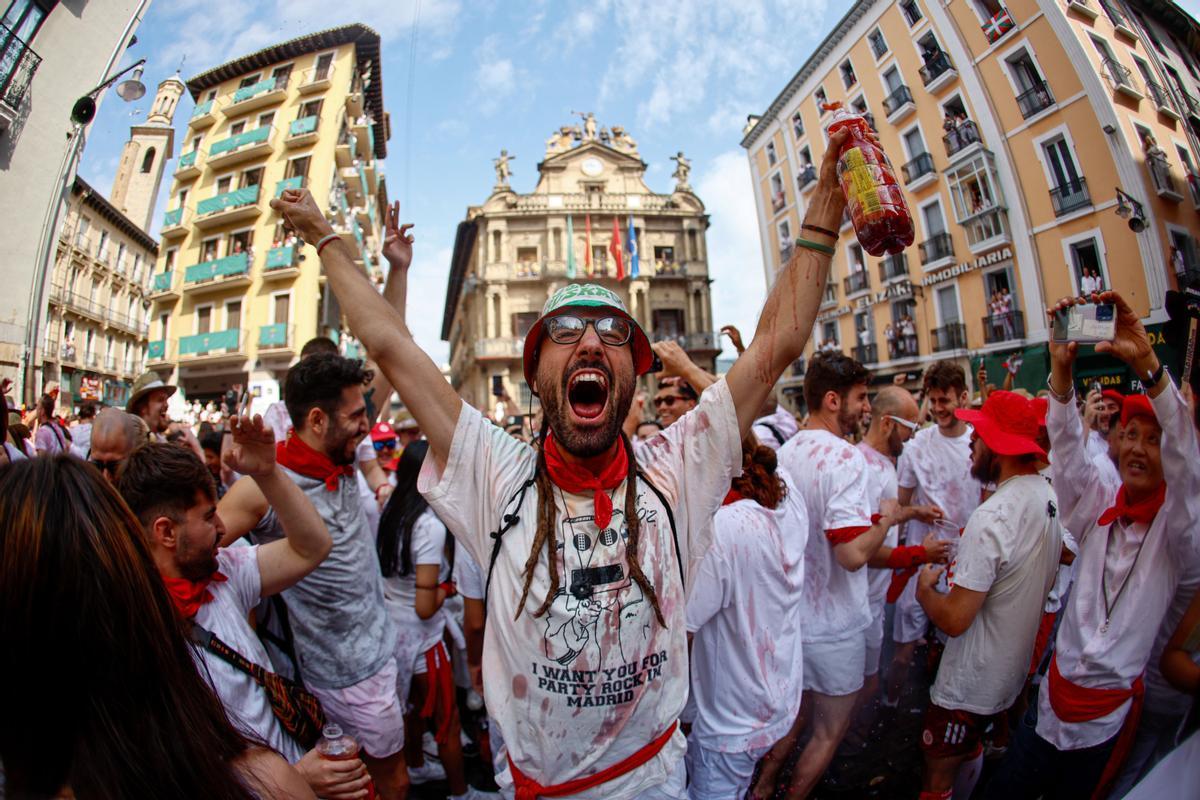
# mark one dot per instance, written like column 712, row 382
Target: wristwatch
column 1152, row 378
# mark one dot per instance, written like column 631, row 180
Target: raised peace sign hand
column 253, row 451
column 397, row 241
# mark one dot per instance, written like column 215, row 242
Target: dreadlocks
column 546, row 537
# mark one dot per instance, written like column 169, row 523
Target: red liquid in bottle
column 337, row 746
column 882, row 221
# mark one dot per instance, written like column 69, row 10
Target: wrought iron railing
column 18, row 63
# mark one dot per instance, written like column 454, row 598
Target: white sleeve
column 467, row 576
column 1082, row 495
column 693, row 462
column 428, row 540
column 848, row 505
column 712, row 583
column 239, row 564
column 484, row 470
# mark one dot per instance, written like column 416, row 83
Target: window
column 1068, row 190
column 1086, row 261
column 282, row 310
column 298, row 167
column 947, row 304
column 1177, row 84
column 914, row 145
column 821, row 98
column 169, row 261
column 249, row 80
column 282, row 75
column 600, row 259
column 311, row 109
column 496, row 246
column 1033, row 95
column 23, row 19
column 829, row 332
column 878, row 43
column 527, row 258
column 183, row 195
column 911, row 11
column 664, row 254
column 978, row 204
column 212, row 95
column 785, row 234
column 771, row 157
column 847, row 71
column 237, row 128
column 196, row 141
column 240, row 242
column 208, row 249
column 251, row 177
column 1117, row 73
column 102, row 247
column 777, row 197
column 203, row 319
column 522, row 321
column 797, row 125
column 233, row 315
column 936, row 62
column 668, row 323
column 324, row 62
column 265, row 120
column 935, row 222
column 556, row 243
column 148, row 161
column 121, row 257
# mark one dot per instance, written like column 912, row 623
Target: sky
column 463, row 79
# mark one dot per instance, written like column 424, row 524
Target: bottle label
column 859, row 180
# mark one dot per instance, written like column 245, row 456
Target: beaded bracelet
column 325, row 240
column 811, row 245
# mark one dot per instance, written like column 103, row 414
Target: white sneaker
column 429, row 745
column 474, row 700
column 427, row 773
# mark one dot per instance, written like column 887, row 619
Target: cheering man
column 591, row 546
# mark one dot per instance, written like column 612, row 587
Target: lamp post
column 82, row 113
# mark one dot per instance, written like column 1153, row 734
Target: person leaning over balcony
column 582, row 357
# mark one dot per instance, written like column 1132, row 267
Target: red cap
column 1137, row 405
column 1114, row 395
column 1007, row 423
column 382, row 432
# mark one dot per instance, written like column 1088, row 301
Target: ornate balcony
column 1160, row 175
column 866, row 353
column 282, row 262
column 938, row 72
column 939, row 247
column 220, row 273
column 303, row 131
column 203, row 115
column 212, row 346
column 173, row 223
column 257, row 95
column 233, row 206
column 1006, row 327
column 1120, row 78
column 507, row 348
column 899, row 104
column 952, row 336
column 856, row 281
column 1163, row 100
column 18, row 63
column 893, row 267
column 1071, row 196
column 960, row 141
column 187, row 168
column 1035, row 99
column 162, row 286
column 918, row 172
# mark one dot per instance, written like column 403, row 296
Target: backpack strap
column 774, row 432
column 671, row 519
column 210, row 642
column 507, row 521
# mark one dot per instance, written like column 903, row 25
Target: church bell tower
column 135, row 189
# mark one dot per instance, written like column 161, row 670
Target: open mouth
column 587, row 394
column 1135, row 467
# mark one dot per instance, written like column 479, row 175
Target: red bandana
column 187, row 595
column 732, row 497
column 575, row 479
column 294, row 454
column 1138, row 512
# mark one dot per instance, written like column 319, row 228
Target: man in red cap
column 1006, row 563
column 1134, row 546
column 588, row 545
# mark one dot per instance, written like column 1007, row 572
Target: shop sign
column 895, row 291
column 986, row 260
column 833, row 313
column 89, row 388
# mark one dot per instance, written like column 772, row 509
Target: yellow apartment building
column 513, row 251
column 1067, row 159
column 235, row 294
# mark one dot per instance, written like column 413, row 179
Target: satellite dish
column 83, row 111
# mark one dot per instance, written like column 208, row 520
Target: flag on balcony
column 631, row 238
column 998, row 25
column 570, row 249
column 614, row 247
column 587, row 243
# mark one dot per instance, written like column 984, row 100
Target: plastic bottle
column 335, row 745
column 874, row 200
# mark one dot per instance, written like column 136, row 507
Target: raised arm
column 381, row 328
column 787, row 317
column 397, row 251
column 306, row 540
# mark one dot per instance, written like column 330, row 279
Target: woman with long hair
column 744, row 619
column 416, row 557
column 100, row 693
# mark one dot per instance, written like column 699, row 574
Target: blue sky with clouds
column 470, row 77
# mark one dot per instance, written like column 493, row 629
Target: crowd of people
column 686, row 598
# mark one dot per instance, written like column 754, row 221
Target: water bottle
column 882, row 221
column 336, row 745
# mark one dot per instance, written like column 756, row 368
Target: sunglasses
column 568, row 329
column 384, row 445
column 912, row 426
column 669, row 400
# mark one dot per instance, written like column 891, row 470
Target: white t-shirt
column 246, row 703
column 831, row 475
column 1089, row 651
column 1010, row 550
column 1097, row 450
column 81, row 439
column 744, row 609
column 881, row 485
column 770, row 428
column 468, row 577
column 938, row 468
column 599, row 671
column 400, row 591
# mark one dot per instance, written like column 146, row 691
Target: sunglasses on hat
column 569, row 329
column 384, row 444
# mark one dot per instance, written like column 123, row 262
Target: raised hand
column 397, row 241
column 301, row 212
column 1062, row 354
column 1130, row 342
column 735, row 338
column 253, row 450
column 675, row 361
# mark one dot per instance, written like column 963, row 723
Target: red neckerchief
column 1144, row 511
column 575, row 479
column 294, row 454
column 187, row 595
column 732, row 497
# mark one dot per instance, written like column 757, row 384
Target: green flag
column 570, row 249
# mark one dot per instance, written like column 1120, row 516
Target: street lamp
column 82, row 113
column 1130, row 209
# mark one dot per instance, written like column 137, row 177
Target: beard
column 339, row 447
column 199, row 564
column 895, row 445
column 985, row 468
column 849, row 421
column 589, row 442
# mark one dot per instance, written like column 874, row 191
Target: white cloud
column 496, row 77
column 425, row 304
column 734, row 246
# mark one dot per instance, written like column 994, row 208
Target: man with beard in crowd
column 148, row 400
column 1006, row 563
column 935, row 470
column 586, row 676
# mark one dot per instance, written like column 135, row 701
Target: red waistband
column 529, row 789
column 1074, row 703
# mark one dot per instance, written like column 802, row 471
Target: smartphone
column 1087, row 323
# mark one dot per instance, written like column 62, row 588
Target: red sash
column 1074, row 703
column 529, row 789
column 441, row 690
